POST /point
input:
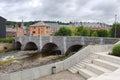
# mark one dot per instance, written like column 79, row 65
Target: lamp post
column 115, row 25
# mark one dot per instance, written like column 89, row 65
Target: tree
column 94, row 34
column 86, row 31
column 82, row 31
column 78, row 31
column 117, row 28
column 64, row 31
column 73, row 29
column 103, row 33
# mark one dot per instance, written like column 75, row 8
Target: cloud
column 13, row 1
column 63, row 10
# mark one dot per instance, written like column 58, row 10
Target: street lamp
column 115, row 25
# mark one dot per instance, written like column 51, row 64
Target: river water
column 10, row 53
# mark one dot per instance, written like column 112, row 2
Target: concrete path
column 109, row 76
column 65, row 75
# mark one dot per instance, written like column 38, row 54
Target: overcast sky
column 62, row 10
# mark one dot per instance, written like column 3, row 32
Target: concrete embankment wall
column 6, row 47
column 33, row 73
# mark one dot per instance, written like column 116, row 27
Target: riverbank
column 6, row 47
column 27, row 61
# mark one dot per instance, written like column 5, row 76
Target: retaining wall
column 6, row 47
column 33, row 73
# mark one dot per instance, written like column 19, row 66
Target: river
column 10, row 53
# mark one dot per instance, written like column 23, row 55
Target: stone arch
column 50, row 49
column 18, row 45
column 31, row 46
column 73, row 48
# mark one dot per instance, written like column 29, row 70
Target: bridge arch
column 18, row 45
column 50, row 49
column 73, row 48
column 31, row 46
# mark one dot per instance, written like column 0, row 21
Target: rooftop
column 53, row 25
column 39, row 24
column 90, row 24
column 2, row 18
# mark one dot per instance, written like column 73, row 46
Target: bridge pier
column 101, row 41
column 82, row 41
column 39, row 49
column 22, row 47
column 64, row 45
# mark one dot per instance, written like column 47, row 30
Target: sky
column 61, row 10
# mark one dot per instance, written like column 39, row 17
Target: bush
column 116, row 50
column 6, row 40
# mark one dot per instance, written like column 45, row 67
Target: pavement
column 109, row 76
column 64, row 75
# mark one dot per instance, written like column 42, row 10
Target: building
column 40, row 29
column 21, row 30
column 92, row 25
column 2, row 27
column 10, row 31
column 54, row 27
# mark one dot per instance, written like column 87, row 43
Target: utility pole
column 115, row 24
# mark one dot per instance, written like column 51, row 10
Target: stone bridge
column 64, row 44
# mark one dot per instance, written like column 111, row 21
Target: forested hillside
column 32, row 22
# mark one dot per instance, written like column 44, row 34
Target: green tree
column 94, row 34
column 117, row 28
column 86, row 31
column 64, row 31
column 78, row 31
column 103, row 33
column 11, row 23
column 82, row 31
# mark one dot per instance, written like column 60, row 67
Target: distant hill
column 19, row 23
column 32, row 22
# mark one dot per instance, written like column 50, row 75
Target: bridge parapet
column 64, row 42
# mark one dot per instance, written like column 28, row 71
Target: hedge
column 6, row 40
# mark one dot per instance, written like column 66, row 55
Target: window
column 33, row 32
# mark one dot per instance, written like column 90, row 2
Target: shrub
column 116, row 50
column 6, row 40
